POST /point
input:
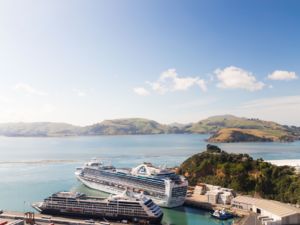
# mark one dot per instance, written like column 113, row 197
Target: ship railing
column 120, row 210
column 135, row 185
column 99, row 207
column 97, row 173
column 152, row 191
column 155, row 184
column 95, row 179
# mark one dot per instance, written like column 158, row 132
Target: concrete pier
column 198, row 201
column 41, row 219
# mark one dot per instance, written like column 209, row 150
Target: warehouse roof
column 274, row 207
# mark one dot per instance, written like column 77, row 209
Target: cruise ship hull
column 169, row 203
column 86, row 215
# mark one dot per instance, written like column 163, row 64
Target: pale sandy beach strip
column 285, row 162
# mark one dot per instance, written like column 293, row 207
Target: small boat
column 222, row 215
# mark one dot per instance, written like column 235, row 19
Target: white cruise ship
column 163, row 186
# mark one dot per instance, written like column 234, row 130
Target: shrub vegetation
column 243, row 174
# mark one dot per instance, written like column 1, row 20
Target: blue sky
column 172, row 61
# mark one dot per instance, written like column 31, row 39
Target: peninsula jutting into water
column 243, row 174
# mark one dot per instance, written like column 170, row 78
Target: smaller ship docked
column 222, row 215
column 136, row 208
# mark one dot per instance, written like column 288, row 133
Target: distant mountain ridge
column 126, row 127
column 225, row 128
column 38, row 129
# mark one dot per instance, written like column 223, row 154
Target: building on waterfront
column 212, row 197
column 270, row 212
column 200, row 189
column 219, row 197
column 225, row 197
column 215, row 194
column 210, row 187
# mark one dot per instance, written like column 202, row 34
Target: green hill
column 236, row 129
column 215, row 123
column 126, row 126
column 38, row 129
column 107, row 127
column 228, row 128
column 250, row 135
column 243, row 174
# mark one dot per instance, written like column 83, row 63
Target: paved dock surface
column 252, row 220
column 42, row 219
column 200, row 201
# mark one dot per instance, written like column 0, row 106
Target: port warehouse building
column 271, row 212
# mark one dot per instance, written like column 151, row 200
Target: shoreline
column 43, row 219
column 285, row 162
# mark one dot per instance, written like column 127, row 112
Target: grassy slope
column 215, row 123
column 230, row 128
column 144, row 126
column 249, row 135
column 41, row 129
column 126, row 126
column 107, row 127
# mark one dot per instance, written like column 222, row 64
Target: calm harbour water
column 26, row 176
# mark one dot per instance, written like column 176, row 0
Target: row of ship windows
column 158, row 186
column 92, row 206
column 111, row 203
column 96, row 209
column 118, row 213
column 115, row 211
column 137, row 185
column 120, row 176
column 179, row 191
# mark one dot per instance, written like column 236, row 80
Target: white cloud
column 282, row 75
column 26, row 88
column 80, row 93
column 4, row 99
column 274, row 102
column 141, row 91
column 202, row 85
column 47, row 108
column 170, row 81
column 285, row 109
column 236, row 78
